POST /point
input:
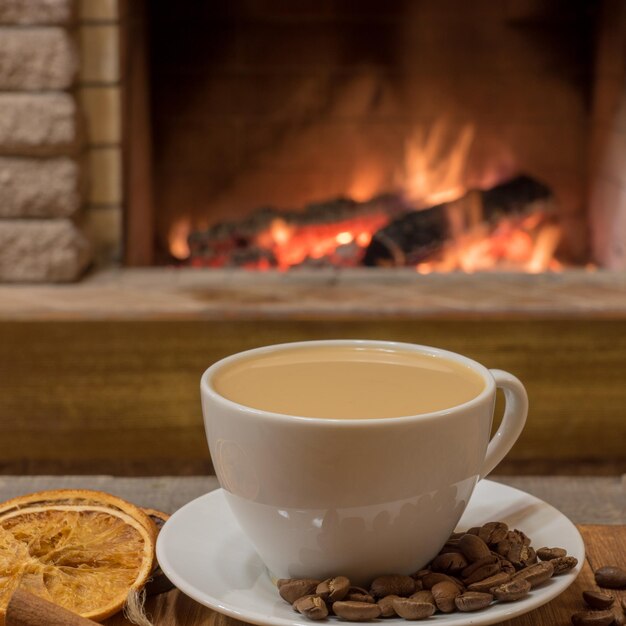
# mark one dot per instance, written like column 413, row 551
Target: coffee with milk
column 348, row 382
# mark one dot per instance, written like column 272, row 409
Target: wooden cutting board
column 605, row 545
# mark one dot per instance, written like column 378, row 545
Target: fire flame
column 433, row 173
column 517, row 244
column 178, row 239
column 292, row 244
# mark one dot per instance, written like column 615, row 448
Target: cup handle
column 513, row 421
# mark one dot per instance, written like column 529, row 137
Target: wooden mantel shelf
column 187, row 294
column 103, row 374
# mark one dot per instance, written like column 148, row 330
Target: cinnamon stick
column 27, row 609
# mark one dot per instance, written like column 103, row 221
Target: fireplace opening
column 444, row 136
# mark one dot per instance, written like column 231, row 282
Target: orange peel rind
column 83, row 550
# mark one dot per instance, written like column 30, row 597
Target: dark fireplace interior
column 442, row 135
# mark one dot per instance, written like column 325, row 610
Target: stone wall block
column 37, row 58
column 39, row 187
column 38, row 124
column 42, row 251
column 37, row 11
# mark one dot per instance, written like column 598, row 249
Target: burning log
column 417, row 235
column 322, row 233
column 481, row 230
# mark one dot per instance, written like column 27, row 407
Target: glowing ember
column 344, row 238
column 444, row 227
column 527, row 244
column 291, row 244
column 463, row 238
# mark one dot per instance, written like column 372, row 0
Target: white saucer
column 204, row 553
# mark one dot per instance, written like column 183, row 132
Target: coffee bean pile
column 602, row 610
column 474, row 569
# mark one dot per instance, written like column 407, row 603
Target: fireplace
column 267, row 134
column 275, row 134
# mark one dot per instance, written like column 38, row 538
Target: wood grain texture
column 172, row 293
column 604, row 544
column 122, row 397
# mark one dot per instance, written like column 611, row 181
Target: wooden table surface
column 595, row 504
column 605, row 545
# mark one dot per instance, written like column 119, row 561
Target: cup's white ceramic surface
column 321, row 497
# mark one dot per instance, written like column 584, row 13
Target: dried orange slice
column 84, row 550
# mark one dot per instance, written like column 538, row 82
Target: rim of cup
column 207, row 387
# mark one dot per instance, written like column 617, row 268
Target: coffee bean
column 611, row 577
column 473, row 547
column 503, row 547
column 486, row 560
column 516, row 548
column 420, row 574
column 597, row 599
column 296, row 604
column 452, row 545
column 473, row 601
column 430, row 580
column 358, row 594
column 485, row 571
column 563, row 564
column 449, row 563
column 413, row 609
column 536, row 574
column 512, row 590
column 423, row 596
column 528, row 556
column 290, row 589
column 493, row 532
column 386, row 606
column 444, row 594
column 505, row 565
column 311, row 606
column 517, row 536
column 592, row 618
column 470, row 570
column 489, row 583
column 547, row 554
column 333, row 589
column 519, row 554
column 447, row 549
column 356, row 611
column 392, row 584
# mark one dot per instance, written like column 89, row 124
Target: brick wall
column 60, row 138
column 40, row 143
column 99, row 96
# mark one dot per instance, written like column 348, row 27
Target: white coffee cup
column 358, row 497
